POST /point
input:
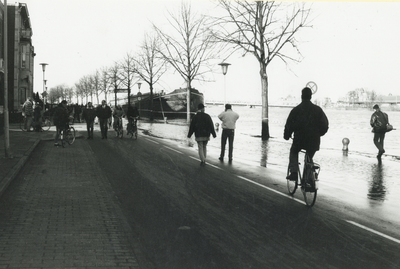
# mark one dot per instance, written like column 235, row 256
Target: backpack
column 381, row 122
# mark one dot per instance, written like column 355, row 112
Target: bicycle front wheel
column 291, row 185
column 70, row 135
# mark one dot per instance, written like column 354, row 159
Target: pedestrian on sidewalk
column 379, row 121
column 27, row 112
column 228, row 118
column 77, row 113
column 89, row 114
column 103, row 112
column 308, row 122
column 60, row 119
column 202, row 126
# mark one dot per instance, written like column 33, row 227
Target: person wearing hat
column 202, row 126
column 308, row 123
column 379, row 121
column 228, row 118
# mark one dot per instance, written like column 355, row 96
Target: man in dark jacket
column 103, row 112
column 308, row 122
column 89, row 114
column 60, row 119
column 202, row 126
column 379, row 121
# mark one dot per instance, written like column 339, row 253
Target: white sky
column 351, row 45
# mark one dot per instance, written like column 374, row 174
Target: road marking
column 152, row 141
column 270, row 189
column 173, row 149
column 373, row 231
column 209, row 164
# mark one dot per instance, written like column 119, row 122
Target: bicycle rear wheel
column 291, row 185
column 70, row 135
column 46, row 124
column 309, row 191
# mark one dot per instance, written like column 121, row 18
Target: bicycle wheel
column 46, row 124
column 22, row 124
column 309, row 190
column 70, row 135
column 291, row 185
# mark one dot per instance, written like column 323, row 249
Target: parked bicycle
column 45, row 124
column 131, row 129
column 308, row 180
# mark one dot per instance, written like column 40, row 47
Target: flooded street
column 354, row 178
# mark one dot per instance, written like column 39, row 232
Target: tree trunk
column 151, row 103
column 264, row 114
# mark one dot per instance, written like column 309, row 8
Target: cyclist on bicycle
column 118, row 114
column 132, row 114
column 61, row 119
column 308, row 122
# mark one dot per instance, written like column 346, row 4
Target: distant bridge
column 244, row 103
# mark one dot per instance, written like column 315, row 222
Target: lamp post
column 44, row 83
column 224, row 67
column 139, row 84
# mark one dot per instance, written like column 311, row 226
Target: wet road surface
column 237, row 216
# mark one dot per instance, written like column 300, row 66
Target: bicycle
column 67, row 135
column 131, row 129
column 46, row 123
column 308, row 180
column 119, row 129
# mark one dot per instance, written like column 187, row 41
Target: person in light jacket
column 228, row 118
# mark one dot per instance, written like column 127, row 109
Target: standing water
column 357, row 171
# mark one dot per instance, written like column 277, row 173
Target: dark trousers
column 103, row 127
column 378, row 141
column 227, row 134
column 89, row 128
column 294, row 157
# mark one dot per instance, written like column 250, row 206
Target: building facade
column 20, row 54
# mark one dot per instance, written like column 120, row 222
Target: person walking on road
column 202, row 126
column 379, row 121
column 60, row 119
column 103, row 113
column 308, row 122
column 228, row 118
column 27, row 112
column 89, row 114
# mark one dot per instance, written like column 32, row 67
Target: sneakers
column 292, row 176
column 56, row 144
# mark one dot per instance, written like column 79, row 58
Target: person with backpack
column 379, row 121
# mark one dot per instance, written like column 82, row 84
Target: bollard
column 217, row 127
column 345, row 143
column 165, row 120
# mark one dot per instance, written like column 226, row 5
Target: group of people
column 33, row 113
column 103, row 112
column 305, row 124
column 202, row 127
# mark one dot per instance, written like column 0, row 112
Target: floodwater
column 356, row 174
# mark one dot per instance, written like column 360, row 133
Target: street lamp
column 44, row 85
column 139, row 84
column 224, row 67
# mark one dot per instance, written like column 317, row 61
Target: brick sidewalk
column 60, row 212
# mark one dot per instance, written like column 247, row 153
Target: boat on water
column 172, row 105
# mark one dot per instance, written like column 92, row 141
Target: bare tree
column 265, row 29
column 127, row 74
column 104, row 81
column 187, row 46
column 150, row 66
column 115, row 81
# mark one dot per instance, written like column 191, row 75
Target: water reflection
column 377, row 188
column 264, row 153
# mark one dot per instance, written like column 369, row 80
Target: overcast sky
column 351, row 45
